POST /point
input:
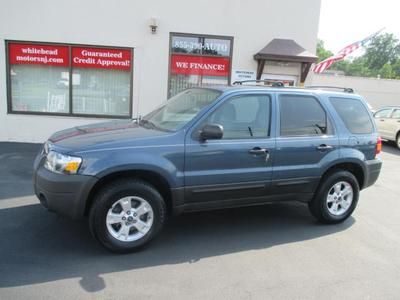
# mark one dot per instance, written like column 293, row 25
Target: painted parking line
column 18, row 202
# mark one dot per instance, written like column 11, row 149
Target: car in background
column 388, row 122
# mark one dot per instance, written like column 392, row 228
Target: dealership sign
column 103, row 58
column 243, row 75
column 81, row 57
column 37, row 54
column 199, row 65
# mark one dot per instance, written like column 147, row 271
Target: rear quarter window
column 354, row 114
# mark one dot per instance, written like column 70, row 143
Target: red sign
column 199, row 65
column 38, row 54
column 102, row 58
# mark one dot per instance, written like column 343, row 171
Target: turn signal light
column 378, row 148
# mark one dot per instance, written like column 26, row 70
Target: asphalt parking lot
column 275, row 251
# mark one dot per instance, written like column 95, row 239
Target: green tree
column 322, row 53
column 381, row 57
column 396, row 69
column 386, row 71
column 383, row 49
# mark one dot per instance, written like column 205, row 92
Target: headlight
column 63, row 164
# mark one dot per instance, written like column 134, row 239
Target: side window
column 354, row 115
column 302, row 116
column 244, row 117
column 396, row 114
column 384, row 113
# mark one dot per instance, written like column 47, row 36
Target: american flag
column 326, row 63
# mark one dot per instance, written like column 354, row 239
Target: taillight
column 378, row 147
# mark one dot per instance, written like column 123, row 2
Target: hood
column 105, row 134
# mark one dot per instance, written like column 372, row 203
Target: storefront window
column 101, row 86
column 36, row 76
column 40, row 75
column 198, row 61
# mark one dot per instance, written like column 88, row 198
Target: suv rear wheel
column 398, row 140
column 126, row 215
column 336, row 198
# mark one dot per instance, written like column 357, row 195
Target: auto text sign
column 38, row 54
column 199, row 65
column 102, row 58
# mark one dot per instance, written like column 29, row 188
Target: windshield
column 179, row 110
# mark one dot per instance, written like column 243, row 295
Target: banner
column 199, row 65
column 102, row 58
column 38, row 54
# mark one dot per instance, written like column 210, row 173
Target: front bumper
column 373, row 169
column 64, row 194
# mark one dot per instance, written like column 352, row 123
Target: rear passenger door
column 394, row 124
column 305, row 140
column 382, row 120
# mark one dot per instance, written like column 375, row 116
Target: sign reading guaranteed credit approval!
column 199, row 65
column 103, row 58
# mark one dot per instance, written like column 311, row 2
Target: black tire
column 111, row 193
column 398, row 140
column 318, row 205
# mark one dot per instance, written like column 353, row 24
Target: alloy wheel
column 129, row 219
column 339, row 198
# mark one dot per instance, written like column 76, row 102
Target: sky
column 343, row 22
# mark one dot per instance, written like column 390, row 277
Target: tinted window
column 396, row 114
column 354, row 115
column 384, row 113
column 302, row 116
column 244, row 117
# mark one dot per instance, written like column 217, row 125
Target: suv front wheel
column 336, row 197
column 126, row 215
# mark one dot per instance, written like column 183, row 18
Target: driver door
column 236, row 169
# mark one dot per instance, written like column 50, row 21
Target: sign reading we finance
column 103, row 58
column 38, row 54
column 199, row 65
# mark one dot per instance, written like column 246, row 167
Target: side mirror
column 211, row 132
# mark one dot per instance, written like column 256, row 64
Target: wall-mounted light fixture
column 153, row 25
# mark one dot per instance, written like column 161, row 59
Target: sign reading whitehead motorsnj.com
column 37, row 54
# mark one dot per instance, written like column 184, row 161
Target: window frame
column 360, row 101
column 209, row 36
column 70, row 87
column 389, row 115
column 394, row 110
column 201, row 122
column 330, row 127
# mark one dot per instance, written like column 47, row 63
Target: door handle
column 324, row 147
column 382, row 120
column 258, row 151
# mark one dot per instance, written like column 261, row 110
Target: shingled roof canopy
column 285, row 50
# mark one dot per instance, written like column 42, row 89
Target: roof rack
column 344, row 89
column 274, row 84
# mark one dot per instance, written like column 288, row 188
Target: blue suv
column 211, row 148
